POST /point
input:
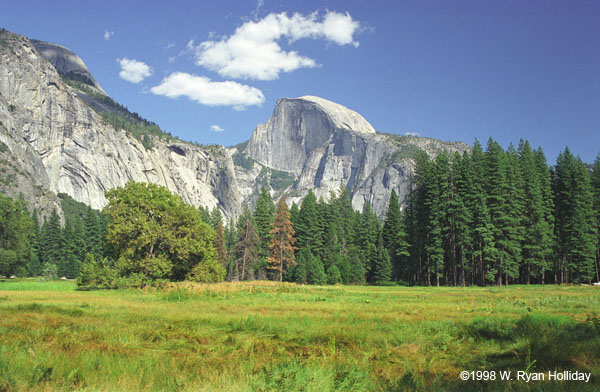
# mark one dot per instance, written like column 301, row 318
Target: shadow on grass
column 539, row 341
column 535, row 343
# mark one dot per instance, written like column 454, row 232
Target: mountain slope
column 324, row 146
column 61, row 133
column 67, row 63
column 62, row 145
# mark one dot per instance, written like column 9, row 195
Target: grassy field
column 265, row 336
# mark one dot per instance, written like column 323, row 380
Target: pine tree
column 299, row 272
column 417, row 220
column 67, row 265
column 78, row 240
column 411, row 272
column 548, row 239
column 263, row 220
column 436, row 201
column 595, row 183
column 294, row 214
column 334, row 275
column 230, row 235
column 461, row 216
column 575, row 227
column 306, row 228
column 537, row 240
column 16, row 237
column 324, row 220
column 394, row 235
column 503, row 192
column 341, row 210
column 93, row 234
column 315, row 271
column 220, row 244
column 282, row 240
column 585, row 231
column 357, row 269
column 52, row 240
column 368, row 231
column 514, row 226
column 332, row 245
column 383, row 267
column 246, row 250
column 204, row 214
column 496, row 192
column 34, row 267
column 343, row 264
column 333, row 217
column 483, row 239
column 561, row 185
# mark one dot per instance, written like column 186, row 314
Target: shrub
column 210, row 271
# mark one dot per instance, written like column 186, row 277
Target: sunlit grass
column 36, row 284
column 273, row 336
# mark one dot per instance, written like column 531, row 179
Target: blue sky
column 452, row 70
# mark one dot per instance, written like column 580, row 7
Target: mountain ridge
column 67, row 143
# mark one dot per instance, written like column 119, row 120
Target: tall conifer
column 246, row 250
column 282, row 240
column 595, row 182
column 394, row 234
column 575, row 226
column 263, row 219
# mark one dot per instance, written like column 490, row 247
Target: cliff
column 60, row 132
column 60, row 144
column 323, row 146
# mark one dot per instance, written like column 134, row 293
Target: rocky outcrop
column 325, row 146
column 299, row 126
column 67, row 63
column 54, row 139
column 62, row 145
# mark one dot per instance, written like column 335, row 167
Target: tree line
column 28, row 248
column 484, row 217
column 499, row 217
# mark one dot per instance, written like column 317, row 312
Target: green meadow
column 266, row 336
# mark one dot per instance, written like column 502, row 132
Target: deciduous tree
column 154, row 234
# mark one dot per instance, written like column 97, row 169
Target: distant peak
column 67, row 63
column 341, row 115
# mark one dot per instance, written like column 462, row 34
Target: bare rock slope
column 323, row 146
column 61, row 144
column 54, row 138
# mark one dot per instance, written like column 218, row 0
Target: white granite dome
column 341, row 115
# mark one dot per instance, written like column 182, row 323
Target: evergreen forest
column 487, row 217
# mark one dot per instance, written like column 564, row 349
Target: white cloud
column 108, row 34
column 133, row 71
column 203, row 90
column 411, row 134
column 340, row 28
column 216, row 128
column 253, row 51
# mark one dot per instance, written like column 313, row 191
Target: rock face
column 297, row 127
column 67, row 63
column 62, row 145
column 53, row 140
column 325, row 146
